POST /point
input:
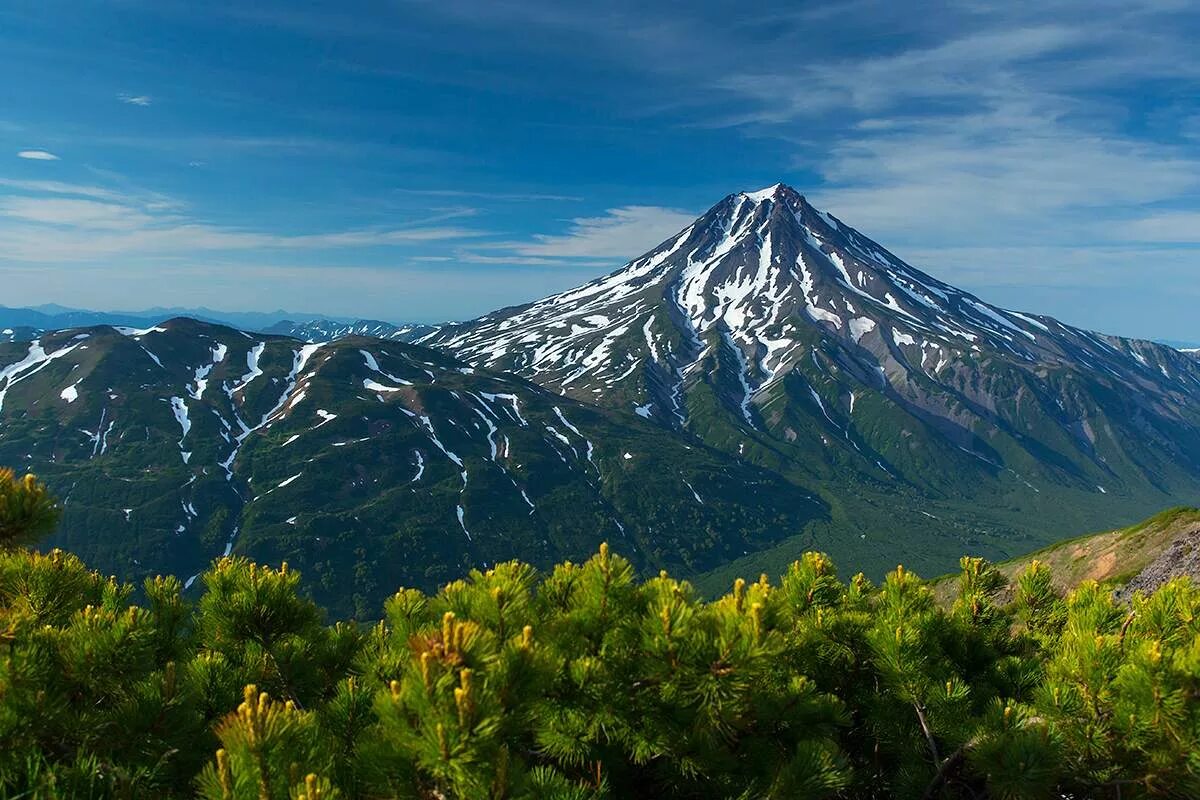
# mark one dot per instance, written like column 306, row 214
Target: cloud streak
column 55, row 222
column 37, row 155
column 621, row 233
column 517, row 197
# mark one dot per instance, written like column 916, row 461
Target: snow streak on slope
column 290, row 397
column 200, row 379
column 752, row 282
column 34, row 362
column 801, row 329
column 252, row 369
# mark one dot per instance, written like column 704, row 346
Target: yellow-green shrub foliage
column 586, row 682
column 27, row 510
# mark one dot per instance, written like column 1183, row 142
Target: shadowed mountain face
column 780, row 334
column 369, row 464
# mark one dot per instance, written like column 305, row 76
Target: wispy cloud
column 1005, row 172
column 1167, row 226
column 519, row 197
column 60, row 188
column 135, row 99
column 50, row 222
column 505, row 257
column 37, row 155
column 998, row 143
column 622, row 233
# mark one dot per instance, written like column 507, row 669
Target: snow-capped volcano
column 782, row 335
column 763, row 274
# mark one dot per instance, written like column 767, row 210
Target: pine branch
column 933, row 748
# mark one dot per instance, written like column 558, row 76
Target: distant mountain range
column 24, row 324
column 56, row 317
column 325, row 330
column 768, row 380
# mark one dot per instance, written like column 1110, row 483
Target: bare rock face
column 1180, row 559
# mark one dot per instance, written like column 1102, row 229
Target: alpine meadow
column 383, row 416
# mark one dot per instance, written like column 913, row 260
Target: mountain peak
column 777, row 191
column 767, row 193
column 769, row 285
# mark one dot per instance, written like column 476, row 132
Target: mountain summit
column 760, row 273
column 777, row 331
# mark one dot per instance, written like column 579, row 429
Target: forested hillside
column 584, row 682
column 365, row 463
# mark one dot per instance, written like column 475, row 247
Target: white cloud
column 73, row 212
column 37, row 155
column 135, row 99
column 58, row 187
column 622, row 233
column 518, row 197
column 1181, row 227
column 53, row 222
column 1000, row 174
column 999, row 148
column 506, row 258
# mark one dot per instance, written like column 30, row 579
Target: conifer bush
column 587, row 682
column 27, row 510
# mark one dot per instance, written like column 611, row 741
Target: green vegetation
column 27, row 510
column 1110, row 558
column 364, row 499
column 586, row 683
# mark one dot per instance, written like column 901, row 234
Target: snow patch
column 860, row 327
column 289, row 481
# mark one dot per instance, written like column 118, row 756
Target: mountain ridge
column 704, row 294
column 370, row 463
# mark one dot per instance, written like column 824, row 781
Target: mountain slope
column 780, row 334
column 369, row 464
column 1141, row 557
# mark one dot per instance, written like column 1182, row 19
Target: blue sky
column 433, row 160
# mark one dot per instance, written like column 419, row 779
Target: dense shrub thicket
column 588, row 683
